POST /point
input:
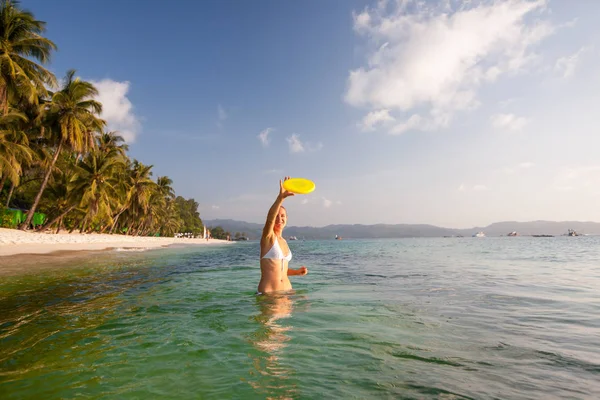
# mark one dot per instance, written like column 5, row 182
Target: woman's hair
column 280, row 207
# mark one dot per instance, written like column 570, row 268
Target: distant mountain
column 253, row 230
column 538, row 228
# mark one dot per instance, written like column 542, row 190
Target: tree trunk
column 83, row 225
column 59, row 225
column 2, row 182
column 25, row 225
column 4, row 98
column 130, row 228
column 10, row 193
column 140, row 229
column 60, row 217
column 75, row 224
column 104, row 228
column 114, row 225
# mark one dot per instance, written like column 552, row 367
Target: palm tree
column 60, row 195
column 137, row 192
column 94, row 183
column 171, row 221
column 71, row 117
column 164, row 187
column 159, row 208
column 20, row 37
column 112, row 142
column 14, row 148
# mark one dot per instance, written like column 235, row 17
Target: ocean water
column 455, row 318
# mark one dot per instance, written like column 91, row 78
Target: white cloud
column 117, row 109
column 575, row 173
column 379, row 117
column 362, row 21
column 508, row 122
column 264, row 136
column 579, row 177
column 221, row 112
column 527, row 164
column 521, row 166
column 439, row 120
column 319, row 201
column 297, row 146
column 475, row 188
column 429, row 61
column 507, row 102
column 274, row 171
column 565, row 66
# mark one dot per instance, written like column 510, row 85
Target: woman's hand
column 302, row 270
column 282, row 192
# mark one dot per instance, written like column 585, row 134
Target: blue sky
column 450, row 113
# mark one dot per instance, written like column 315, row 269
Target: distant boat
column 479, row 234
column 338, row 237
column 293, row 238
column 513, row 233
column 572, row 232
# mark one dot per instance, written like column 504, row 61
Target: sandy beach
column 13, row 242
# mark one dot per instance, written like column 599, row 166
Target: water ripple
column 410, row 318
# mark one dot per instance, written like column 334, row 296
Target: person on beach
column 274, row 251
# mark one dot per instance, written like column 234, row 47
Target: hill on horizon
column 361, row 231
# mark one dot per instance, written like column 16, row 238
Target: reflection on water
column 57, row 325
column 273, row 378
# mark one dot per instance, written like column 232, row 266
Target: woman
column 274, row 251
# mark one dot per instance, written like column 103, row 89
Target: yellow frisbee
column 299, row 185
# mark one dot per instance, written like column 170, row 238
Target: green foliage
column 219, row 233
column 10, row 218
column 21, row 45
column 6, row 219
column 188, row 212
column 54, row 149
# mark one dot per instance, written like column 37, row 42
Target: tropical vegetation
column 60, row 166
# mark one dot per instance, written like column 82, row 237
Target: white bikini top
column 276, row 253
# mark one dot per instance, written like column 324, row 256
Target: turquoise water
column 490, row 318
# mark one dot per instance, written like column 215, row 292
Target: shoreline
column 15, row 242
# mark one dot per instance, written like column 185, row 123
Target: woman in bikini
column 274, row 251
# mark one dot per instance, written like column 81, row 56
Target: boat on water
column 338, row 237
column 513, row 233
column 292, row 238
column 479, row 234
column 572, row 232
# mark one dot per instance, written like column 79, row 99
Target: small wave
column 433, row 360
column 568, row 362
column 131, row 249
